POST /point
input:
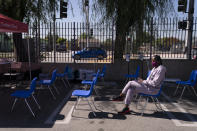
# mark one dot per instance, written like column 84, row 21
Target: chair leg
column 159, row 104
column 51, row 92
column 56, row 89
column 63, row 82
column 14, row 104
column 182, row 92
column 176, row 90
column 138, row 102
column 29, row 107
column 194, row 91
column 96, row 91
column 90, row 107
column 144, row 106
column 36, row 102
column 75, row 106
column 68, row 82
column 93, row 103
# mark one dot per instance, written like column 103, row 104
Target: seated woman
column 149, row 86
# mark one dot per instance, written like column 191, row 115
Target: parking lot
column 56, row 114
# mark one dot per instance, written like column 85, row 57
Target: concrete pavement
column 55, row 115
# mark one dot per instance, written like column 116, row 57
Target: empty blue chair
column 189, row 83
column 134, row 76
column 64, row 76
column 24, row 94
column 49, row 83
column 85, row 93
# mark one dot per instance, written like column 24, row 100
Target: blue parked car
column 90, row 52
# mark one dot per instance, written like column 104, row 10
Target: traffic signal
column 86, row 2
column 63, row 9
column 182, row 5
column 91, row 32
column 182, row 25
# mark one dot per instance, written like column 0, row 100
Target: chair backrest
column 103, row 70
column 53, row 76
column 160, row 90
column 33, row 85
column 149, row 71
column 94, row 82
column 66, row 70
column 137, row 71
column 193, row 77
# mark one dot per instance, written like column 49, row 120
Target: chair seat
column 142, row 94
column 61, row 75
column 21, row 94
column 183, row 82
column 83, row 93
column 130, row 76
column 87, row 82
column 45, row 82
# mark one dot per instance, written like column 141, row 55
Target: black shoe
column 118, row 98
column 124, row 111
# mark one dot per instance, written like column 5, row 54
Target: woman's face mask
column 154, row 64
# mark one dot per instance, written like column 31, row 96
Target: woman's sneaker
column 118, row 98
column 124, row 111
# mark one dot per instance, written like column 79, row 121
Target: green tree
column 27, row 10
column 129, row 13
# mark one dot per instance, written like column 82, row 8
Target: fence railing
column 161, row 36
column 59, row 42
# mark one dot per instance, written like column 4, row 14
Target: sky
column 78, row 16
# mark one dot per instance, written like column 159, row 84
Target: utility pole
column 86, row 8
column 190, row 28
column 54, row 39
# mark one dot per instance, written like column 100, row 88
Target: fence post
column 74, row 38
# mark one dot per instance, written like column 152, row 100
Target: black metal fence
column 161, row 36
column 59, row 42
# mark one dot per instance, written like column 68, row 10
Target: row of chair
column 24, row 94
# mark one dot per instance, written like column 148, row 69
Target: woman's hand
column 140, row 80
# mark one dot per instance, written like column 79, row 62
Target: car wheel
column 77, row 57
column 100, row 57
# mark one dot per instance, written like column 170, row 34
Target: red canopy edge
column 10, row 25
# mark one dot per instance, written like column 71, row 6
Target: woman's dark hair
column 158, row 59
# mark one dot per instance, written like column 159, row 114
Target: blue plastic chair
column 189, row 83
column 134, row 76
column 24, row 94
column 85, row 94
column 153, row 97
column 89, row 82
column 49, row 83
column 64, row 76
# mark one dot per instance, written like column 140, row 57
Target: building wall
column 116, row 71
